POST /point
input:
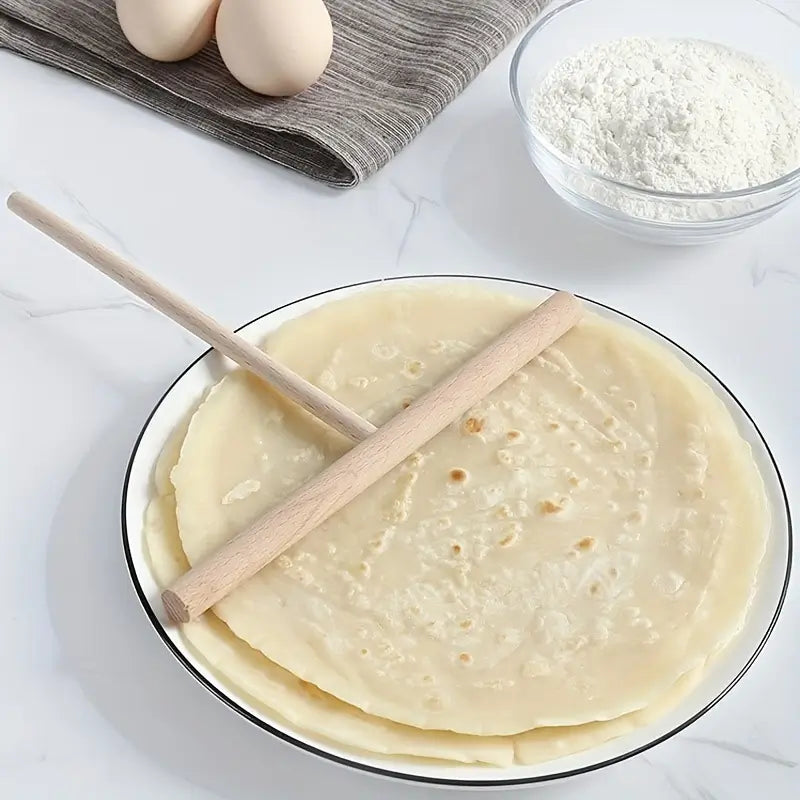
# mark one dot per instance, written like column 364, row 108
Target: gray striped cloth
column 395, row 65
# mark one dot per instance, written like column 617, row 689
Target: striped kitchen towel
column 395, row 65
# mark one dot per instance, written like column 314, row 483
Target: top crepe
column 563, row 554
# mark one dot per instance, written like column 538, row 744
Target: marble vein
column 785, row 14
column 108, row 305
column 671, row 782
column 416, row 203
column 27, row 305
column 24, row 303
column 15, row 297
column 759, row 274
column 90, row 219
column 30, row 310
column 740, row 750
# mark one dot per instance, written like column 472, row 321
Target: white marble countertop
column 93, row 705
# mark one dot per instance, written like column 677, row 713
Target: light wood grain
column 236, row 348
column 286, row 523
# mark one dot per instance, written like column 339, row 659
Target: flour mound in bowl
column 596, row 516
column 675, row 115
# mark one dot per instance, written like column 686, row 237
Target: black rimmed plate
column 718, row 680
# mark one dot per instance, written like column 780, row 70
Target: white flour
column 676, row 115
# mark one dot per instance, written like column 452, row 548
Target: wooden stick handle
column 249, row 356
column 244, row 555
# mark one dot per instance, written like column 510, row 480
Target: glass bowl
column 663, row 217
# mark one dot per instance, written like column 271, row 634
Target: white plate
column 720, row 678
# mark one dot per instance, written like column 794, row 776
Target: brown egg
column 167, row 30
column 275, row 47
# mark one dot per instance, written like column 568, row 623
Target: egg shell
column 275, row 47
column 167, row 30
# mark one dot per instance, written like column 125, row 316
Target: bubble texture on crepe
column 596, row 516
column 248, row 674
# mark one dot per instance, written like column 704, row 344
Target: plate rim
column 425, row 779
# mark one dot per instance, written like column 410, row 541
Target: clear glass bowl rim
column 736, row 194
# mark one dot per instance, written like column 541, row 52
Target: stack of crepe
column 551, row 571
